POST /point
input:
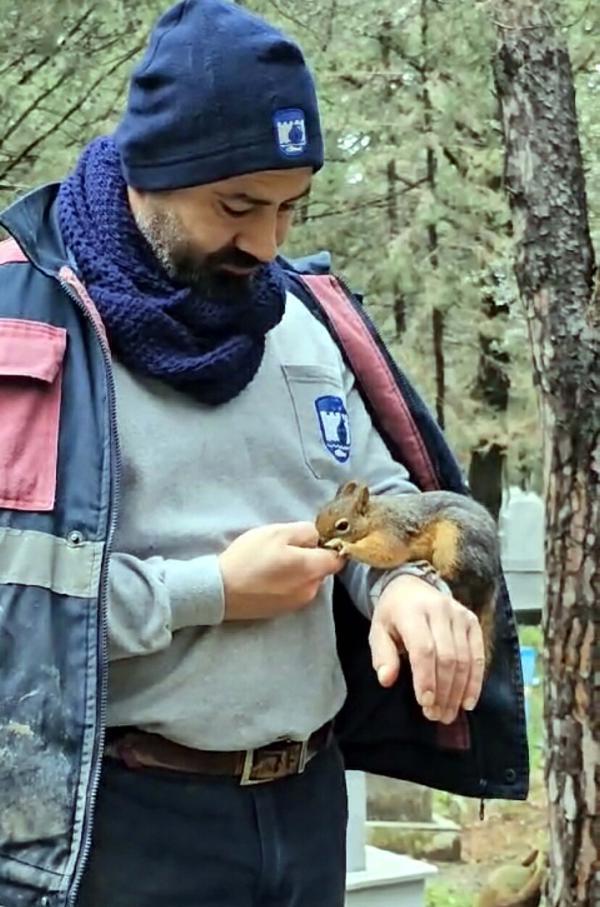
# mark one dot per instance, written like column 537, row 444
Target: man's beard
column 202, row 273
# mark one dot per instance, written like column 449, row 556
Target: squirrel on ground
column 453, row 533
column 516, row 885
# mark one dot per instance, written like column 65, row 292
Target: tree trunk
column 555, row 268
column 437, row 316
column 486, row 469
column 437, row 323
column 398, row 300
column 488, row 458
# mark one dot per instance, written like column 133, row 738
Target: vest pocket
column 31, row 365
column 322, row 419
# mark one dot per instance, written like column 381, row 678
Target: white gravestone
column 378, row 878
column 522, row 528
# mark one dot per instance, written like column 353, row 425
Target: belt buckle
column 303, row 757
column 246, row 778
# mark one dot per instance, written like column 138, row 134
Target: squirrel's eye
column 342, row 526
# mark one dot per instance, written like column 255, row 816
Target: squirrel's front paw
column 336, row 545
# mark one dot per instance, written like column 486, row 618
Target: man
column 145, row 294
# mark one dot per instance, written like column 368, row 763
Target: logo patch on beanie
column 290, row 130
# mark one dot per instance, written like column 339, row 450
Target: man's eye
column 235, row 212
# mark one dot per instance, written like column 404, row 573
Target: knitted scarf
column 211, row 347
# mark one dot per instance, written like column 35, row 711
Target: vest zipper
column 115, row 469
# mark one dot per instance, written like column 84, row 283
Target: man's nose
column 260, row 240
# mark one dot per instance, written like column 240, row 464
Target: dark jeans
column 166, row 839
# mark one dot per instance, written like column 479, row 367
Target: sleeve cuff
column 421, row 569
column 196, row 593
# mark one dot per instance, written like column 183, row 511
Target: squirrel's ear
column 346, row 490
column 362, row 499
column 531, row 858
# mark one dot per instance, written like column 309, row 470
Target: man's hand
column 274, row 570
column 443, row 642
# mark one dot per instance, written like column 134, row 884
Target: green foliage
column 440, row 894
column 63, row 81
column 407, row 90
column 531, row 636
column 410, row 203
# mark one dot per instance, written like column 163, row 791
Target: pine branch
column 14, row 187
column 583, row 66
column 379, row 201
column 27, row 75
column 12, row 64
column 35, row 104
column 114, row 39
column 329, row 29
column 89, row 127
column 454, row 160
column 294, row 20
column 25, row 152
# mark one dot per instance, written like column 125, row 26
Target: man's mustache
column 231, row 257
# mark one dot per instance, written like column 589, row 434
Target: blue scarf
column 211, row 347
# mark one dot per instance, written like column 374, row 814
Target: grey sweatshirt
column 194, row 477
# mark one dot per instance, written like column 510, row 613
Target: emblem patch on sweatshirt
column 335, row 426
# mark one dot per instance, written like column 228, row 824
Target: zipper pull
column 481, row 809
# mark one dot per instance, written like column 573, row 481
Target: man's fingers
column 384, row 654
column 444, row 643
column 462, row 667
column 420, row 646
column 320, row 562
column 477, row 656
column 301, row 534
column 303, row 539
column 445, row 659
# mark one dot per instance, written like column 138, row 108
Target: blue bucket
column 528, row 660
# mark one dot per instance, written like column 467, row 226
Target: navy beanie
column 218, row 93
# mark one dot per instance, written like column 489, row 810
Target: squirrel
column 452, row 532
column 516, row 885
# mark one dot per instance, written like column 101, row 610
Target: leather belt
column 139, row 749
